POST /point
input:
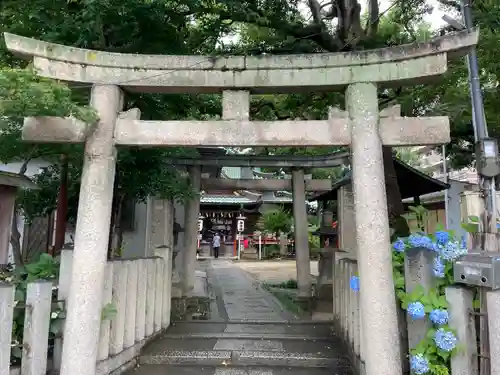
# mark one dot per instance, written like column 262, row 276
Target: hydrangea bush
column 432, row 355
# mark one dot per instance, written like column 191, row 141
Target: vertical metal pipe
column 446, row 203
column 487, row 185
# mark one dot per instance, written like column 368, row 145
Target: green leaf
column 442, row 303
column 443, row 354
column 476, row 304
column 108, row 312
column 474, row 219
column 417, row 293
column 433, row 298
column 425, row 300
column 430, row 334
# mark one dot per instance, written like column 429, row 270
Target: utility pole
column 488, row 167
column 486, row 182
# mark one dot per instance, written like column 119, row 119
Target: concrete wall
column 134, row 242
column 454, row 199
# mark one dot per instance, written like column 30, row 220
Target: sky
column 434, row 19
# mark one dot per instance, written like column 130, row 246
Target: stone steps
column 303, row 329
column 233, row 370
column 248, row 336
column 244, row 358
column 240, row 348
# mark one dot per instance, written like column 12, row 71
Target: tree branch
column 373, row 18
column 314, row 32
column 315, row 11
column 452, row 4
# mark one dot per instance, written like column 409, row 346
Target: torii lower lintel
column 130, row 131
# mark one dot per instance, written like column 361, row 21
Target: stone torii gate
column 360, row 73
column 299, row 186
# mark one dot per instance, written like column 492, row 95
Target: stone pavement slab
column 251, row 335
column 294, row 330
column 243, row 298
column 274, row 271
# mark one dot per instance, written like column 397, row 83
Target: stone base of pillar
column 357, row 363
column 306, row 304
column 176, row 290
column 190, row 308
column 324, row 292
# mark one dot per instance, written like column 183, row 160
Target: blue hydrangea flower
column 442, row 237
column 452, row 250
column 354, row 283
column 399, row 245
column 416, row 310
column 439, row 317
column 445, row 340
column 419, row 365
column 463, row 243
column 418, row 240
column 438, row 267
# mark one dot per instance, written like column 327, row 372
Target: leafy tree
column 141, row 27
column 408, row 155
column 277, row 221
column 271, row 26
column 280, row 27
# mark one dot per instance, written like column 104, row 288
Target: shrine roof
column 412, row 183
column 15, row 180
column 214, row 199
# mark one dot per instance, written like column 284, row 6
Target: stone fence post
column 166, row 253
column 65, row 270
column 465, row 361
column 418, row 272
column 36, row 328
column 7, row 292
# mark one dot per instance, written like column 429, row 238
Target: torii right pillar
column 378, row 302
column 368, row 130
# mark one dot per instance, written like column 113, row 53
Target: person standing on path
column 216, row 245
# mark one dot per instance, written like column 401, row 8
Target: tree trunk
column 395, row 205
column 115, row 231
column 117, row 236
column 15, row 236
column 15, row 240
column 62, row 207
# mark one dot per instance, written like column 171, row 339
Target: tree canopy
column 218, row 27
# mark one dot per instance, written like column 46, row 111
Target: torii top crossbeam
column 258, row 74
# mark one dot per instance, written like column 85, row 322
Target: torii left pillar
column 301, row 235
column 81, row 331
column 192, row 211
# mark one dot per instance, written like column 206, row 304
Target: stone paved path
column 250, row 334
column 275, row 271
column 243, row 298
